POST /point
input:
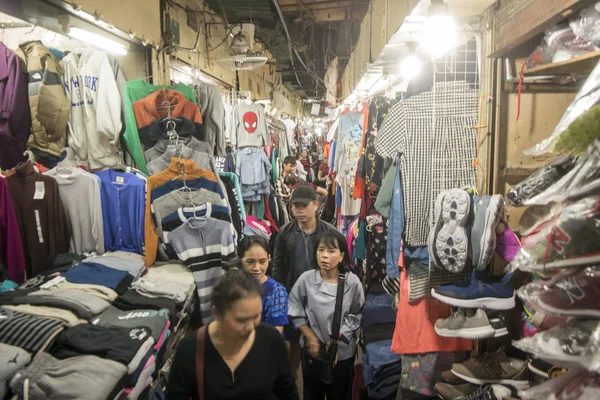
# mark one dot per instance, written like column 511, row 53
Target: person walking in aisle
column 235, row 357
column 254, row 257
column 295, row 254
column 328, row 315
column 289, row 166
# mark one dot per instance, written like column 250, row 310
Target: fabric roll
column 84, row 377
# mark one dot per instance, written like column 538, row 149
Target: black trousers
column 340, row 389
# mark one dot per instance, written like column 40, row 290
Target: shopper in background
column 323, row 172
column 314, row 167
column 295, row 252
column 305, row 161
column 235, row 357
column 312, row 310
column 253, row 253
column 293, row 181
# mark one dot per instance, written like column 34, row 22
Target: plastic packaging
column 573, row 385
column 587, row 24
column 583, row 179
column 569, row 240
column 586, row 98
column 573, row 345
column 566, row 44
column 541, row 180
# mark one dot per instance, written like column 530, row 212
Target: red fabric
column 359, row 181
column 269, row 215
column 414, row 333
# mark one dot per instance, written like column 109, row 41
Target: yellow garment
column 190, row 171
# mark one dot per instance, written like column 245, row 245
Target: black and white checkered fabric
column 433, row 132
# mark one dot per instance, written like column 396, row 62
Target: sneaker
column 489, row 392
column 540, row 367
column 488, row 210
column 448, row 241
column 540, row 180
column 494, row 368
column 571, row 239
column 453, row 392
column 478, row 291
column 450, row 378
column 477, row 326
column 577, row 294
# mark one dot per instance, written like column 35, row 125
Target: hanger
column 68, row 162
column 168, row 105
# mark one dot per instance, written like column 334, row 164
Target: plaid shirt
column 433, row 132
column 282, row 190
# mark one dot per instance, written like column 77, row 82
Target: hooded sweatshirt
column 96, row 105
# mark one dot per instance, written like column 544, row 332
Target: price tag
column 40, row 191
column 120, row 180
column 53, row 282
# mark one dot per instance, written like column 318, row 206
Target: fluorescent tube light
column 97, row 40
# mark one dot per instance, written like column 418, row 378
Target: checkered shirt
column 433, row 132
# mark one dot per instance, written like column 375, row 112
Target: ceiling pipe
column 289, row 39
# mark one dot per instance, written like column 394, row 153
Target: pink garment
column 161, row 340
column 258, row 224
column 507, row 243
column 143, row 382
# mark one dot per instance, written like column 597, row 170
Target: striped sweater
column 204, row 245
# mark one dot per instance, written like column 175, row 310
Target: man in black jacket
column 295, row 253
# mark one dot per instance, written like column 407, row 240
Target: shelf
column 517, row 172
column 579, row 65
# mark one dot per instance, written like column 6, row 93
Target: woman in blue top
column 253, row 252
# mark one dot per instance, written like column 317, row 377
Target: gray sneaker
column 453, row 392
column 494, row 368
column 477, row 326
column 488, row 210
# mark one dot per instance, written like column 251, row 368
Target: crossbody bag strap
column 337, row 313
column 200, row 344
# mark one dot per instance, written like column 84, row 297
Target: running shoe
column 476, row 326
column 448, row 241
column 478, row 291
column 488, row 211
column 571, row 239
column 453, row 392
column 494, row 368
column 576, row 294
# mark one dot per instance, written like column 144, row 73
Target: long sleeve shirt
column 312, row 302
column 264, row 374
column 11, row 248
column 123, row 208
column 80, row 195
column 134, row 91
column 213, row 114
column 249, row 127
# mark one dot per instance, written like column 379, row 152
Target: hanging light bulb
column 439, row 30
column 411, row 65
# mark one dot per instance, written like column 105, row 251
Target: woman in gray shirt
column 311, row 308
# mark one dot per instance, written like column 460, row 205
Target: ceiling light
column 97, row 40
column 411, row 65
column 439, row 30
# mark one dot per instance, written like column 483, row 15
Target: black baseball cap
column 304, row 194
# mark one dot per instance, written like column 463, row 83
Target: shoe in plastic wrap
column 576, row 294
column 488, row 210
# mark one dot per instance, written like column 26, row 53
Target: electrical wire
column 187, row 9
column 289, row 39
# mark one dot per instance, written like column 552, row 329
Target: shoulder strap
column 200, row 342
column 337, row 313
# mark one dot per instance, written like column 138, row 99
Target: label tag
column 53, row 282
column 38, row 225
column 120, row 180
column 40, row 191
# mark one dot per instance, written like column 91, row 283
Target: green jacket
column 134, row 91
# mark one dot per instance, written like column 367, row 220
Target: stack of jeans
column 381, row 367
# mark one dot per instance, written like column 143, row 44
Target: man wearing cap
column 295, row 252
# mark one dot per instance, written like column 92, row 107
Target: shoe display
column 476, row 326
column 478, row 291
column 571, row 239
column 448, row 241
column 575, row 385
column 576, row 294
column 541, row 180
column 453, row 392
column 540, row 367
column 494, row 368
column 489, row 392
column 488, row 211
column 573, row 345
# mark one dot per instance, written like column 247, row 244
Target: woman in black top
column 243, row 359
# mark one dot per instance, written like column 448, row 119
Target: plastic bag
column 573, row 345
column 541, row 180
column 571, row 239
column 587, row 24
column 582, row 180
column 573, row 385
column 566, row 44
column 586, row 98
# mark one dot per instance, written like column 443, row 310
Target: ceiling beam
column 288, row 6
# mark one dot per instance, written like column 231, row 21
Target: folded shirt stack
column 84, row 305
column 176, row 291
column 32, row 334
column 155, row 320
column 99, row 274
